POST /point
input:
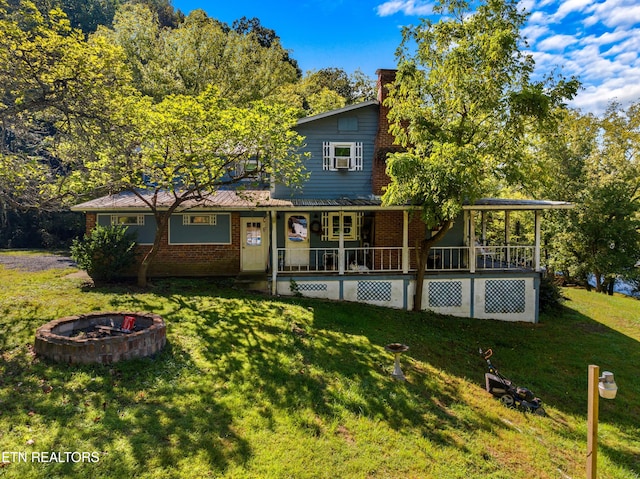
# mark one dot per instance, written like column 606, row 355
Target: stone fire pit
column 99, row 338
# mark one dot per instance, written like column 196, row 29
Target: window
column 342, row 156
column 195, row 220
column 249, row 168
column 351, row 223
column 127, row 220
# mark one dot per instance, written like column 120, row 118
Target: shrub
column 105, row 252
column 550, row 294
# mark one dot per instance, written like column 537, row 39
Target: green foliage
column 594, row 163
column 51, row 81
column 550, row 295
column 460, row 105
column 261, row 387
column 40, row 229
column 105, row 253
column 247, row 63
column 327, row 89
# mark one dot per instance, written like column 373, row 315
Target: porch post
column 405, row 242
column 483, row 216
column 472, row 241
column 507, row 237
column 341, row 256
column 536, row 253
column 274, row 253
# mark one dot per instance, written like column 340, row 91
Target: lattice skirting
column 505, row 296
column 374, row 291
column 445, row 294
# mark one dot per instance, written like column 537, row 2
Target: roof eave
column 339, row 111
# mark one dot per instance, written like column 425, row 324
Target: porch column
column 507, row 236
column 341, row 256
column 405, row 241
column 483, row 216
column 472, row 241
column 274, row 252
column 536, row 252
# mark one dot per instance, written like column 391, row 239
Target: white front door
column 253, row 235
column 296, row 240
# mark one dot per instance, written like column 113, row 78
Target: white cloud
column 556, row 42
column 408, row 7
column 596, row 40
column 613, row 13
column 569, row 6
column 533, row 32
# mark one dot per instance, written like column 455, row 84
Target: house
column 334, row 239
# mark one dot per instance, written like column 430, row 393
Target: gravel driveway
column 36, row 262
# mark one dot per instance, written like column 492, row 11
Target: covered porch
column 488, row 265
column 475, row 247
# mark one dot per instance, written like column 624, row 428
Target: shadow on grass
column 232, row 355
column 279, row 355
column 138, row 415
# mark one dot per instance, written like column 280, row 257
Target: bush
column 105, row 252
column 550, row 294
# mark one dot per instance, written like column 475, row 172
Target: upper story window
column 250, row 168
column 342, row 156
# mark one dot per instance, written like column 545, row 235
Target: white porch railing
column 355, row 260
column 505, row 257
column 390, row 259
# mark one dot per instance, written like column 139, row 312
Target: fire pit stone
column 99, row 338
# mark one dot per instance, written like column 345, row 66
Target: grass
column 263, row 387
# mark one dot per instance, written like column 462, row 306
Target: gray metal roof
column 517, row 204
column 261, row 199
column 223, row 199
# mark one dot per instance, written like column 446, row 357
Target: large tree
column 50, row 78
column 460, row 105
column 179, row 152
column 245, row 64
column 594, row 162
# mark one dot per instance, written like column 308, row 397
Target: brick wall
column 385, row 142
column 198, row 259
column 191, row 260
column 91, row 220
column 388, row 230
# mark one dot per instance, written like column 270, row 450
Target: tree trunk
column 423, row 249
column 596, row 274
column 612, row 283
column 162, row 221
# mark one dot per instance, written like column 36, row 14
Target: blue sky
column 598, row 41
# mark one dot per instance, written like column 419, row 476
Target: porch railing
column 391, row 260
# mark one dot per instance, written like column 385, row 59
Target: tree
column 51, row 78
column 328, row 89
column 201, row 51
column 594, row 163
column 460, row 105
column 185, row 148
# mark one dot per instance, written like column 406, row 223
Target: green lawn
column 238, row 394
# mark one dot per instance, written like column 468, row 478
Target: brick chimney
column 385, row 141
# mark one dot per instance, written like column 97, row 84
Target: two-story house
column 333, row 239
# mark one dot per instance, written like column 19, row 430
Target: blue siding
column 337, row 184
column 145, row 233
column 220, row 233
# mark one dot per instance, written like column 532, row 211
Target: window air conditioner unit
column 343, row 162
